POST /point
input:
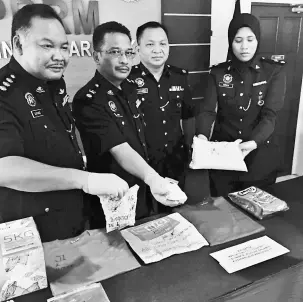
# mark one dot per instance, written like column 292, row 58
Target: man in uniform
column 42, row 171
column 110, row 124
column 165, row 99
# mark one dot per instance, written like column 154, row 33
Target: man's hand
column 160, row 188
column 247, row 147
column 105, row 184
column 201, row 136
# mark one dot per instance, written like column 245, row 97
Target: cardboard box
column 22, row 265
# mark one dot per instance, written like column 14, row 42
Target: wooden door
column 282, row 34
column 189, row 27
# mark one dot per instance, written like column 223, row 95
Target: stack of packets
column 217, row 155
column 248, row 254
column 161, row 238
column 219, row 221
column 120, row 212
column 91, row 257
column 258, row 202
column 89, row 293
column 22, row 265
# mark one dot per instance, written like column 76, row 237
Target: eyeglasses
column 115, row 53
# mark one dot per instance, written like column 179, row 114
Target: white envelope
column 217, row 156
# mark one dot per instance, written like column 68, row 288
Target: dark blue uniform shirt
column 247, row 104
column 107, row 117
column 36, row 123
column 164, row 104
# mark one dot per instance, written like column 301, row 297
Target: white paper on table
column 217, row 155
column 161, row 238
column 120, row 212
column 249, row 253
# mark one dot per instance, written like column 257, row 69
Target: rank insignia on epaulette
column 143, row 73
column 9, row 80
column 3, row 88
column 6, row 84
column 40, row 90
column 30, row 99
column 112, row 106
column 61, row 91
column 89, row 95
column 139, row 82
column 110, row 92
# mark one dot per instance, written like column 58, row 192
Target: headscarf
column 242, row 20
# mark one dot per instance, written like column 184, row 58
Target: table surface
column 196, row 276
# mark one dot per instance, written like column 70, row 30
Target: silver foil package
column 258, row 202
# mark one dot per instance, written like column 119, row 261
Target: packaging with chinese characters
column 22, row 265
column 258, row 202
column 120, row 212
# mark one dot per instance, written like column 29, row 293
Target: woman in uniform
column 243, row 97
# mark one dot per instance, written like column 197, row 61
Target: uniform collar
column 145, row 71
column 126, row 86
column 255, row 64
column 32, row 82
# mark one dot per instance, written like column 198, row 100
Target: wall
column 81, row 66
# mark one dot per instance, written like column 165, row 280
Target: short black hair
column 151, row 24
column 23, row 17
column 108, row 28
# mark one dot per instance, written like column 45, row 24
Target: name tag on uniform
column 176, row 88
column 259, row 83
column 142, row 90
column 37, row 113
column 225, row 85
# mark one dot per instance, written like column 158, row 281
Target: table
column 197, row 277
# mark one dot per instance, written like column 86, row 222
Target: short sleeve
column 189, row 109
column 98, row 129
column 11, row 141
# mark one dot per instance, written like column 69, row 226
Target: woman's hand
column 247, row 147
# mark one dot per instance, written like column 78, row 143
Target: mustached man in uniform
column 110, row 124
column 42, row 170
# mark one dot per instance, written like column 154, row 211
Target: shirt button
column 143, row 145
column 164, row 121
column 80, row 152
column 45, row 126
column 143, row 99
column 165, row 145
column 177, row 96
column 268, row 142
column 162, row 109
column 46, row 210
column 242, row 82
column 240, row 107
column 161, row 97
column 159, row 85
column 241, row 94
column 122, row 123
column 139, row 130
column 165, row 133
column 224, row 94
column 241, row 120
column 72, row 137
column 240, row 132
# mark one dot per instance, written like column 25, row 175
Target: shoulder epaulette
column 90, row 90
column 7, row 80
column 272, row 61
column 177, row 69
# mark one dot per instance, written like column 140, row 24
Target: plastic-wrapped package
column 258, row 202
column 217, row 156
column 120, row 212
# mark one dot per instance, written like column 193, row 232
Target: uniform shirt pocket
column 226, row 96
